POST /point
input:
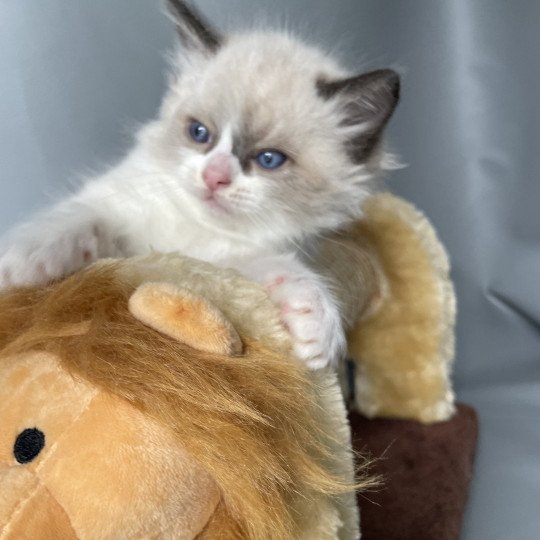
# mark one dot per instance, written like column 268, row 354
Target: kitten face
column 253, row 132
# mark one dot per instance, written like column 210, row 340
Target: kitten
column 261, row 145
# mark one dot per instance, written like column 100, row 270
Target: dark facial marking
column 370, row 99
column 193, row 29
column 245, row 143
column 242, row 149
column 247, row 140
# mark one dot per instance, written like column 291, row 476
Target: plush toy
column 402, row 349
column 394, row 284
column 158, row 398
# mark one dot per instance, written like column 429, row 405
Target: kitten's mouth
column 212, row 202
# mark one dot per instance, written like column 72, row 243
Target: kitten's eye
column 199, row 132
column 271, row 159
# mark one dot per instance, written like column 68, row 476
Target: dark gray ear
column 367, row 101
column 195, row 33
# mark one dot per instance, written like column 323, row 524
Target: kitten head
column 266, row 135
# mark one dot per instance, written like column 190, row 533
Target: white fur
column 154, row 199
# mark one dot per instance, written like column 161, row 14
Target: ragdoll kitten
column 262, row 144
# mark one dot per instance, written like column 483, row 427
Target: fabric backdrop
column 77, row 76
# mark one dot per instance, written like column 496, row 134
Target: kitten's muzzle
column 218, row 172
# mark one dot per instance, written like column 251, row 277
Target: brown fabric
column 426, row 473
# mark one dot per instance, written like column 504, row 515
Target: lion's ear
column 185, row 317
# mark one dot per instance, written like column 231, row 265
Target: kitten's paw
column 312, row 318
column 33, row 258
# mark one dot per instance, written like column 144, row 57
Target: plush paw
column 32, row 257
column 312, row 318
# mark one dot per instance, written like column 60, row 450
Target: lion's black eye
column 28, row 445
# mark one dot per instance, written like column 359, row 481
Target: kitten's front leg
column 308, row 309
column 56, row 244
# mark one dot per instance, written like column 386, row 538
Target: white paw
column 32, row 257
column 312, row 318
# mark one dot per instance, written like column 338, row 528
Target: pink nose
column 217, row 173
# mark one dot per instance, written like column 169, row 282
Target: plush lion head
column 158, row 397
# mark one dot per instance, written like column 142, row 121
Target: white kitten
column 261, row 145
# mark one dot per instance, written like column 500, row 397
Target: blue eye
column 271, row 159
column 199, row 132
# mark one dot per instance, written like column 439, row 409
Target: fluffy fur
column 266, row 451
column 406, row 349
column 253, row 91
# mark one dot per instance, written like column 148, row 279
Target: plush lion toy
column 157, row 398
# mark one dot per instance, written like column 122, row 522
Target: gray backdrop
column 77, row 76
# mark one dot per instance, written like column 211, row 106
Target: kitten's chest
column 191, row 239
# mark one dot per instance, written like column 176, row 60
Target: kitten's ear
column 367, row 101
column 195, row 33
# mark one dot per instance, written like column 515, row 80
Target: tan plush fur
column 405, row 348
column 46, row 520
column 257, row 422
column 106, row 471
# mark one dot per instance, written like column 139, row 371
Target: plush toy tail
column 400, row 303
